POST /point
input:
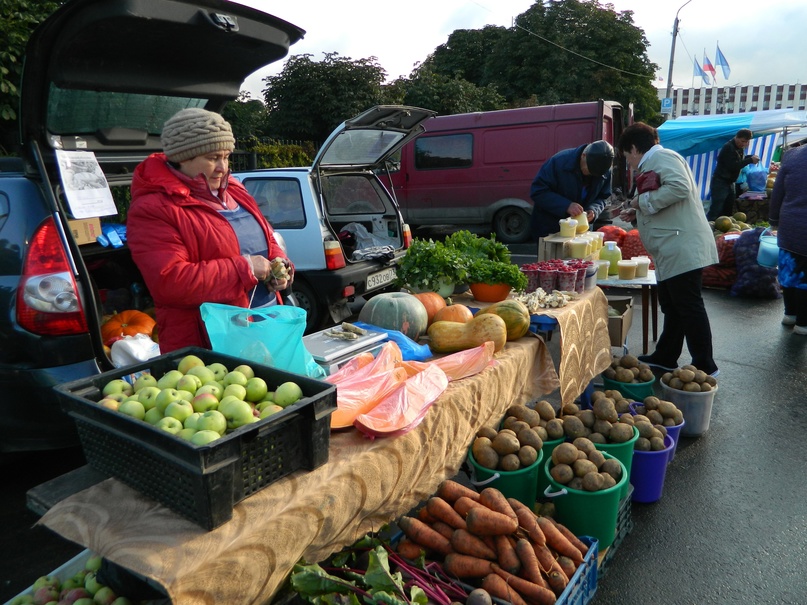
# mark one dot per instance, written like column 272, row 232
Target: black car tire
column 512, row 225
column 307, row 299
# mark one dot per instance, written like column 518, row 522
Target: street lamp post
column 672, row 49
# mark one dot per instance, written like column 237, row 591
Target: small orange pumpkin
column 455, row 312
column 433, row 303
column 126, row 323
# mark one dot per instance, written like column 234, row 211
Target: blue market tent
column 699, row 138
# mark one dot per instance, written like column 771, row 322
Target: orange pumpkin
column 456, row 312
column 433, row 303
column 126, row 323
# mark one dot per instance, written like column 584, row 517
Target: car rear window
column 353, row 194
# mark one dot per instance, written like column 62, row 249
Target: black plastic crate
column 202, row 483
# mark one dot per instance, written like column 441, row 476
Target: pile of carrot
column 495, row 542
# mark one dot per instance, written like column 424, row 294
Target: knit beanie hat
column 193, row 132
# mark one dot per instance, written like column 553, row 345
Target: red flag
column 708, row 67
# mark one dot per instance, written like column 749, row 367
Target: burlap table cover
column 365, row 484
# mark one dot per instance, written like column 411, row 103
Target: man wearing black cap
column 569, row 183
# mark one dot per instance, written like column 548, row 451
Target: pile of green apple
column 199, row 402
column 82, row 588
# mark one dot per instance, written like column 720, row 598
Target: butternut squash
column 453, row 336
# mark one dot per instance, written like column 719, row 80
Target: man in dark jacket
column 569, row 183
column 730, row 161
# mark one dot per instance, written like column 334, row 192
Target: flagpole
column 672, row 50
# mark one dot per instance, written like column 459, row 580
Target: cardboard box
column 85, row 230
column 619, row 326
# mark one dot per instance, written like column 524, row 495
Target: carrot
column 533, row 593
column 557, row 581
column 567, row 565
column 558, row 541
column 530, row 569
column 444, row 529
column 408, row 549
column 495, row 500
column 485, row 522
column 465, row 566
column 451, row 491
column 506, row 554
column 463, row 504
column 425, row 516
column 498, row 587
column 463, row 541
column 547, row 561
column 420, row 533
column 527, row 520
column 441, row 510
column 576, row 542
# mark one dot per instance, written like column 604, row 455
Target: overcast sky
column 764, row 42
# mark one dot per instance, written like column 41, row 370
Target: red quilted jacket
column 186, row 251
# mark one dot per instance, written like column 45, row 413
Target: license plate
column 380, row 278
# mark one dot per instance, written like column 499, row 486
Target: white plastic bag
column 130, row 350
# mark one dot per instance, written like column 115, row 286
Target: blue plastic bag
column 271, row 336
column 410, row 350
column 756, row 177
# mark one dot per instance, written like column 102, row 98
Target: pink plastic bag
column 388, row 357
column 457, row 365
column 357, row 397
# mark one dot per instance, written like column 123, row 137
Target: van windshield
column 87, row 111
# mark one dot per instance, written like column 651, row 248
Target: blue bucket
column 648, row 471
column 768, row 254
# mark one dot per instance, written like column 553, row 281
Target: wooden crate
column 551, row 246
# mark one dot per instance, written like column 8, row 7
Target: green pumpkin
column 396, row 311
column 514, row 313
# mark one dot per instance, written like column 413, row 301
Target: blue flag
column 720, row 61
column 701, row 73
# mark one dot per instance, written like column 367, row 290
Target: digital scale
column 332, row 353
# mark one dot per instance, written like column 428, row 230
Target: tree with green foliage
column 460, row 55
column 247, row 116
column 18, row 18
column 308, row 99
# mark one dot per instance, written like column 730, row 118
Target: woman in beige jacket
column 672, row 225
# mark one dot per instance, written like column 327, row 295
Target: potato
column 586, row 417
column 607, row 481
column 573, row 427
column 562, row 473
column 518, row 426
column 621, row 433
column 527, row 455
column 529, row 437
column 642, row 444
column 564, row 453
column 479, row 596
column 583, row 466
column 487, row 431
column 486, row 457
column 592, row 482
column 545, row 409
column 510, row 462
column 584, row 445
column 613, row 467
column 597, row 457
column 605, row 409
column 505, row 443
column 603, row 427
column 554, row 429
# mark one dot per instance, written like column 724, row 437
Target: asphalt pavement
column 730, row 528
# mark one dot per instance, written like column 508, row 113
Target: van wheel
column 306, row 299
column 512, row 225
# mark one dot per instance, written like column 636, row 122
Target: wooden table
column 307, row 515
column 649, row 288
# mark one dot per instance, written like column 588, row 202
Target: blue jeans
column 685, row 318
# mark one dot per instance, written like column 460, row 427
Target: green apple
column 23, row 599
column 117, row 385
column 245, row 370
column 204, row 437
column 91, row 584
column 169, row 379
column 46, row 594
column 104, row 596
column 186, row 396
column 211, row 387
column 186, row 434
column 204, row 401
column 204, row 373
column 256, row 389
column 189, row 361
column 269, row 409
column 287, row 394
column 226, row 401
column 84, row 601
column 70, row 584
column 121, row 601
column 235, row 377
column 190, row 421
column 109, row 403
column 133, row 408
column 189, row 383
column 238, row 413
column 144, row 380
column 148, row 396
column 219, row 370
column 93, row 563
column 179, row 409
column 235, row 390
column 153, row 415
column 169, row 424
column 50, row 580
column 119, row 397
column 165, row 397
column 212, row 420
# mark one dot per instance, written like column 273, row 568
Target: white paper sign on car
column 85, row 185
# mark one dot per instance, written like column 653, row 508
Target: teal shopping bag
column 271, row 336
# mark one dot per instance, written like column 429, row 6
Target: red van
column 476, row 168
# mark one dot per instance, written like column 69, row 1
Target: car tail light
column 407, row 236
column 47, row 298
column 348, row 291
column 334, row 259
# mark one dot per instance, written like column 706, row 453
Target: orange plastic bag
column 388, row 357
column 404, row 408
column 457, row 365
column 357, row 397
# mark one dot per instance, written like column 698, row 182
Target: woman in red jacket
column 196, row 234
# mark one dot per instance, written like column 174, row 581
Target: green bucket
column 632, row 390
column 592, row 514
column 546, row 451
column 623, row 452
column 521, row 484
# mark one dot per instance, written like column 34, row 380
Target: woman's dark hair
column 639, row 134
